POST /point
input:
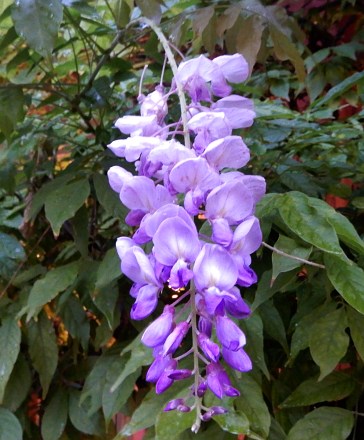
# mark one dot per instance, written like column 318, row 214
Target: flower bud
column 175, row 338
column 157, row 332
column 180, row 374
column 174, row 404
column 229, row 334
column 209, row 348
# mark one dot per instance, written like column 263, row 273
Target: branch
column 284, row 254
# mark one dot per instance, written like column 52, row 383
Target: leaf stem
column 293, row 257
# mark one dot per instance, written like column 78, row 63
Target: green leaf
column 307, row 222
column 80, row 419
column 340, row 88
column 11, row 109
column 344, row 229
column 108, row 198
column 109, row 269
column 253, row 329
column 81, row 230
column 316, row 83
column 235, row 422
column 252, row 404
column 201, row 19
column 76, row 321
column 328, row 341
column 122, row 10
column 55, row 416
column 285, row 264
column 150, row 9
column 38, row 22
column 285, row 50
column 140, row 356
column 284, row 283
column 105, row 300
column 348, row 280
column 10, row 336
column 62, row 203
column 358, row 202
column 18, row 385
column 169, row 424
column 112, row 402
column 145, row 415
column 41, row 195
column 273, row 323
column 300, row 337
column 43, row 350
column 11, row 253
column 276, row 432
column 331, row 388
column 249, row 38
column 47, row 288
column 356, row 325
column 91, row 393
column 10, row 428
column 322, row 424
column 209, row 35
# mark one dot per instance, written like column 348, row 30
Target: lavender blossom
column 174, row 187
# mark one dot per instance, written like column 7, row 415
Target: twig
column 101, row 62
column 293, row 257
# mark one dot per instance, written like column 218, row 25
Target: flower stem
column 293, row 257
column 172, row 62
column 196, row 426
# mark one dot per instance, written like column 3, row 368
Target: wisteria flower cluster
column 178, row 186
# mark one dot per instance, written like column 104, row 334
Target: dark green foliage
column 70, row 357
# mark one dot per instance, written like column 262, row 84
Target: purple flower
column 255, row 185
column 138, row 267
column 208, row 126
column 117, row 177
column 229, row 334
column 201, row 389
column 175, row 338
column 173, row 404
column 141, row 193
column 218, row 381
column 205, row 326
column 194, row 74
column 215, row 273
column 209, row 348
column 247, row 237
column 138, row 125
column 237, row 359
column 180, row 374
column 159, row 365
column 151, row 222
column 168, row 174
column 164, row 381
column 192, row 175
column 158, row 331
column 154, row 103
column 174, row 240
column 238, row 110
column 236, row 306
column 227, row 152
column 232, row 68
column 230, row 201
column 175, row 244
